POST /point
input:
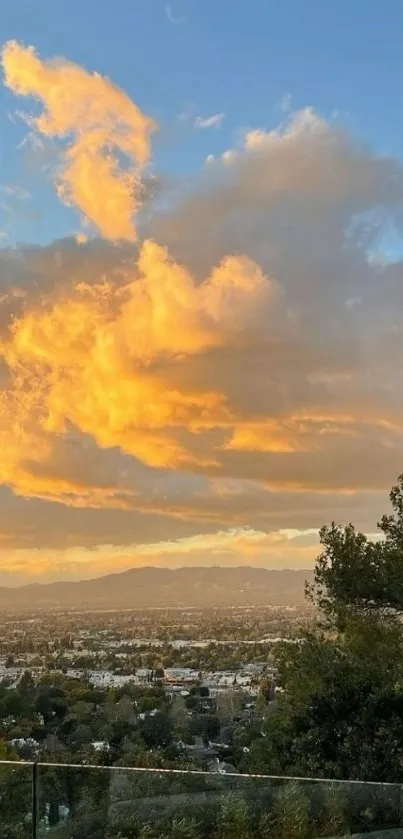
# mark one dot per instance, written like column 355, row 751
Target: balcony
column 40, row 800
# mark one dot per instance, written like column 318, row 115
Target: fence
column 98, row 802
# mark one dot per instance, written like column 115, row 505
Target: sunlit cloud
column 233, row 375
column 238, row 546
column 103, row 361
column 100, row 125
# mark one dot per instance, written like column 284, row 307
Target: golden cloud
column 102, row 361
column 245, row 352
column 236, row 546
column 100, row 123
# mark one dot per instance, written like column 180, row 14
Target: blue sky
column 241, row 58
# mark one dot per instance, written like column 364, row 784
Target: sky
column 201, row 280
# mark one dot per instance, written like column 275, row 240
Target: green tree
column 26, row 686
column 179, row 717
column 357, row 574
column 185, row 828
column 341, row 714
column 233, row 818
column 291, row 813
column 15, row 796
column 206, row 726
column 157, row 730
column 334, row 821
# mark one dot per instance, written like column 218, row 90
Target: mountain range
column 154, row 587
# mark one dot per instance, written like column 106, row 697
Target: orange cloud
column 268, row 436
column 104, row 360
column 241, row 366
column 100, row 123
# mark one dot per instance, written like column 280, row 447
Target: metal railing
column 71, row 801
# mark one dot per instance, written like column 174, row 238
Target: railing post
column 35, row 801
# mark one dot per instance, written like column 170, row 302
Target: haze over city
column 201, row 282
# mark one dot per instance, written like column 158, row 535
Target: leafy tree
column 341, row 714
column 234, row 818
column 267, row 688
column 333, row 821
column 185, row 828
column 261, row 707
column 354, row 573
column 15, row 796
column 13, row 704
column 80, row 735
column 157, row 730
column 206, row 726
column 27, row 686
column 291, row 813
column 43, row 705
column 179, row 717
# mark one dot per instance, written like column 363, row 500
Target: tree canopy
column 357, row 574
column 341, row 713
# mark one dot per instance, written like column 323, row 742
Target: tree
column 27, row 686
column 291, row 813
column 357, row 574
column 229, row 704
column 261, row 707
column 158, row 674
column 267, row 689
column 13, row 703
column 185, row 828
column 206, row 726
column 234, row 818
column 15, row 802
column 179, row 717
column 341, row 714
column 43, row 705
column 157, row 730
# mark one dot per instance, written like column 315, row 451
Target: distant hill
column 163, row 587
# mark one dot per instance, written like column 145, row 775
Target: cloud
column 100, row 124
column 176, row 372
column 15, row 191
column 176, row 20
column 236, row 546
column 215, row 121
column 285, row 103
column 237, row 369
column 103, row 360
column 308, row 169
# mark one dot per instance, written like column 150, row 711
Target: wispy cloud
column 215, row 121
column 176, row 20
column 16, row 191
column 187, row 113
column 285, row 103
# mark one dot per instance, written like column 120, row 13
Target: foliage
column 291, row 813
column 157, row 730
column 341, row 715
column 354, row 573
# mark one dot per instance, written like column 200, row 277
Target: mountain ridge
column 159, row 587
